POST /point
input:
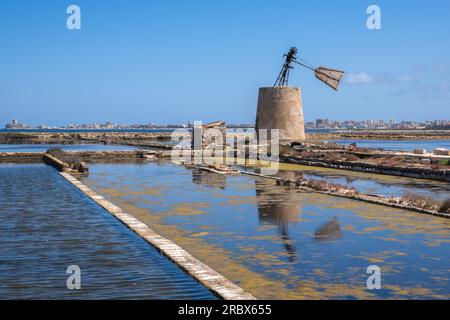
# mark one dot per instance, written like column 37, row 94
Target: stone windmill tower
column 280, row 107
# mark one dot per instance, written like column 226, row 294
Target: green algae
column 281, row 207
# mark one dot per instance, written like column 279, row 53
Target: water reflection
column 279, row 208
column 289, row 175
column 209, row 179
column 407, row 145
column 329, row 231
column 275, row 207
column 281, row 243
column 388, row 186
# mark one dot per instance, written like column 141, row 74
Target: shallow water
column 280, row 243
column 66, row 147
column 47, row 225
column 407, row 145
column 388, row 186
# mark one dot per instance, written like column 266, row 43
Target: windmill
column 280, row 107
column 330, row 77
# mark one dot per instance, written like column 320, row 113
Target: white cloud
column 382, row 78
column 356, row 78
column 426, row 82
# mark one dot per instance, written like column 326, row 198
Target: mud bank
column 144, row 139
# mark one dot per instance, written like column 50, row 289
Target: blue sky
column 175, row 61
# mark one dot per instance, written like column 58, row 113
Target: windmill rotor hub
column 330, row 77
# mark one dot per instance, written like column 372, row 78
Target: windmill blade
column 330, row 77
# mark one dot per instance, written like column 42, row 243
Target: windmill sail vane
column 330, row 77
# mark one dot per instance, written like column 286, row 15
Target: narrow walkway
column 211, row 279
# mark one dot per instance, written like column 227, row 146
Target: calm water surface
column 407, row 145
column 47, row 225
column 66, row 147
column 280, row 243
column 388, row 186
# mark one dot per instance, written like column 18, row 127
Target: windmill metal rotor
column 330, row 77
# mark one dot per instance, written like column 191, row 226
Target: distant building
column 15, row 125
column 321, row 123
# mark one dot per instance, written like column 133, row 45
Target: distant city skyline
column 149, row 121
column 318, row 123
column 174, row 62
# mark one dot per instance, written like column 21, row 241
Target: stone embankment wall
column 421, row 173
column 56, row 163
column 358, row 196
column 19, row 157
column 88, row 156
column 111, row 156
column 124, row 138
